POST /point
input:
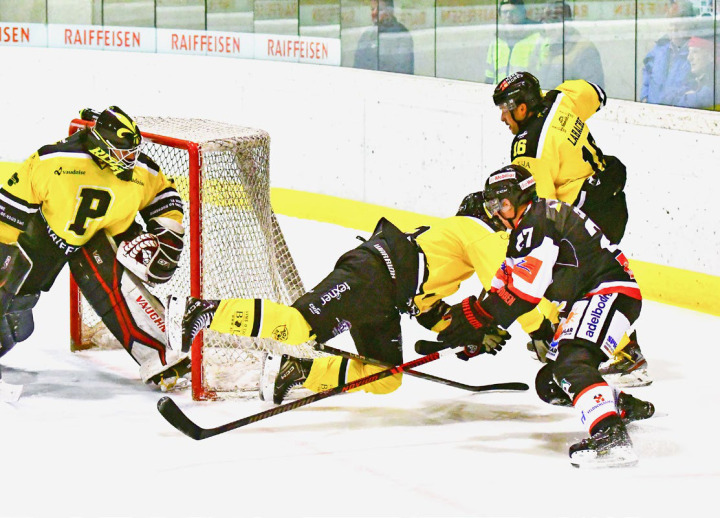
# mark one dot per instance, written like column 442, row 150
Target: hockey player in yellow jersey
column 552, row 140
column 76, row 202
column 371, row 286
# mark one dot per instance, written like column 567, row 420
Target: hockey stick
column 173, row 415
column 371, row 361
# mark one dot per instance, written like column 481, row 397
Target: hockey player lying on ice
column 391, row 273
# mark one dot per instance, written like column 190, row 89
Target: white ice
column 85, row 439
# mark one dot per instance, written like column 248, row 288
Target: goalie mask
column 513, row 183
column 115, row 142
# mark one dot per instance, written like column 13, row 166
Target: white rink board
column 412, row 143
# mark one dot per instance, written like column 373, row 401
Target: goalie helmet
column 518, row 88
column 512, row 182
column 115, row 142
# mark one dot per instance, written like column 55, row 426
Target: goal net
column 234, row 246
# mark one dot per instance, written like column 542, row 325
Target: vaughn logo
column 335, row 293
column 153, row 315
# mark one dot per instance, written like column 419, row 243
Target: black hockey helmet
column 512, row 182
column 518, row 88
column 473, row 205
column 115, row 141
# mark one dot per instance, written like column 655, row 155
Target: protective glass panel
column 231, row 15
column 181, row 14
column 465, row 31
column 276, row 17
column 320, row 18
column 381, row 35
column 664, row 39
column 128, row 13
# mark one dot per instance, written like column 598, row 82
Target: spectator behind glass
column 579, row 58
column 517, row 46
column 666, row 69
column 388, row 45
column 701, row 58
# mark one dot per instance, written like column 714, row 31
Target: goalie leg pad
column 132, row 314
column 18, row 324
column 15, row 267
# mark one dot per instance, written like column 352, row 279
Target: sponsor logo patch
column 335, row 293
column 528, row 268
column 280, row 333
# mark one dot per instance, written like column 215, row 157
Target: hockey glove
column 541, row 340
column 432, row 318
column 153, row 256
column 470, row 324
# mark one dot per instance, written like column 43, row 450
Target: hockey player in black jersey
column 552, row 140
column 75, row 202
column 555, row 251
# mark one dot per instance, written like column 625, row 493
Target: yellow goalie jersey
column 77, row 198
column 556, row 146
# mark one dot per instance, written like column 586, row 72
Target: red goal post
column 234, row 246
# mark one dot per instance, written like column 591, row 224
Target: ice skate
column 280, row 374
column 176, row 377
column 610, row 448
column 631, row 408
column 628, row 368
column 197, row 316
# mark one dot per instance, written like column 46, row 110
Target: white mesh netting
column 242, row 249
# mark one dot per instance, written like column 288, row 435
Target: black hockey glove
column 540, row 340
column 473, row 328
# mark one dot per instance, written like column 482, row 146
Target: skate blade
column 618, row 458
column 270, row 368
column 629, row 379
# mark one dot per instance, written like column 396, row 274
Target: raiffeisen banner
column 298, row 49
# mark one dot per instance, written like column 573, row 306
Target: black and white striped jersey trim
column 166, row 200
column 602, row 96
column 15, row 211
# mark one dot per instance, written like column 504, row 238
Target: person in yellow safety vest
column 518, row 45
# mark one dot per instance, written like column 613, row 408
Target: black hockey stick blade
column 510, row 385
column 173, row 415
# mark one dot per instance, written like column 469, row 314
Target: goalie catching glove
column 153, row 256
column 474, row 329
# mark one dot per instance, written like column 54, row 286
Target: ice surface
column 85, row 439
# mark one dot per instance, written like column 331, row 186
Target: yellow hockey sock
column 327, row 371
column 261, row 318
